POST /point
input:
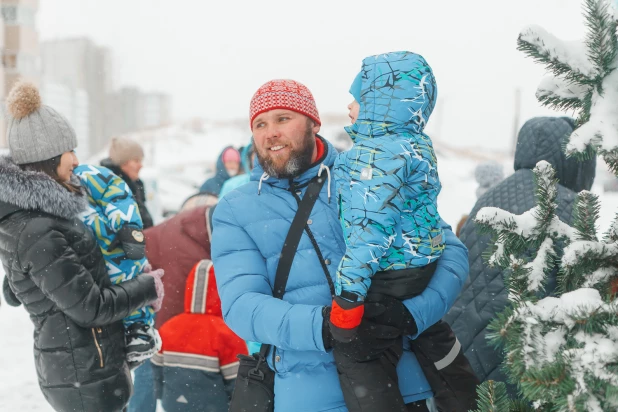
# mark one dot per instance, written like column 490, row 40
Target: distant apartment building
column 132, row 110
column 19, row 42
column 72, row 104
column 81, row 66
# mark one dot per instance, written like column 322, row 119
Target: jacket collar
column 25, row 190
column 327, row 161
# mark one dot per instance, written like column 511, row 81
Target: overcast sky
column 211, row 56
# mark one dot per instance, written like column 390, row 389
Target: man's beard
column 299, row 161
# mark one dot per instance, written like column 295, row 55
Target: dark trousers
column 372, row 385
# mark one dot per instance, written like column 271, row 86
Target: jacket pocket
column 96, row 333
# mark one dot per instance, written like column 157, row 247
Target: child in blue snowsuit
column 387, row 186
column 114, row 218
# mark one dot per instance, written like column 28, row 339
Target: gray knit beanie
column 35, row 132
column 488, row 174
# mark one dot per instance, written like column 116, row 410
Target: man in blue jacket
column 250, row 226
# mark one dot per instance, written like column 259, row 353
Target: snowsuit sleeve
column 57, row 271
column 371, row 215
column 247, row 301
column 116, row 200
column 445, row 285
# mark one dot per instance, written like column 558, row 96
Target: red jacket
column 176, row 245
column 199, row 338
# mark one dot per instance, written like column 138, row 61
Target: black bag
column 255, row 383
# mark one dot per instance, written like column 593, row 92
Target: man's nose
column 273, row 131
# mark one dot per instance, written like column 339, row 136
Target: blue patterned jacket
column 111, row 206
column 387, row 183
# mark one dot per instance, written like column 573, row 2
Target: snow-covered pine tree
column 562, row 351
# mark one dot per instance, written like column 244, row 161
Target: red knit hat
column 283, row 94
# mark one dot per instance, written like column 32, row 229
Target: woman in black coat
column 55, row 268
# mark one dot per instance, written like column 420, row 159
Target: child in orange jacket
column 198, row 356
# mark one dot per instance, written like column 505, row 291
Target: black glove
column 131, row 240
column 371, row 340
column 386, row 310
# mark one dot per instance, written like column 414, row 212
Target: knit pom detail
column 23, row 99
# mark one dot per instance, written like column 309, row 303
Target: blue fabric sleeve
column 249, row 308
column 372, row 216
column 445, row 285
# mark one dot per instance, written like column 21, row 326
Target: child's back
column 198, row 356
column 388, row 182
column 114, row 218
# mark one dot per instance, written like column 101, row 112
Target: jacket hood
column 26, row 190
column 542, row 138
column 201, row 295
column 398, row 92
column 245, row 157
column 221, row 172
column 194, row 223
column 326, row 161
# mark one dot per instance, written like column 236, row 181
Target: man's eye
column 283, row 119
column 259, row 125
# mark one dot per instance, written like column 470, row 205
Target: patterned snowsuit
column 387, row 184
column 110, row 207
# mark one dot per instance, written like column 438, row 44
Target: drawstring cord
column 264, row 177
column 323, row 167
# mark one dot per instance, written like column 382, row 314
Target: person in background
column 56, row 269
column 248, row 160
column 125, row 160
column 488, row 174
column 228, row 165
column 462, row 222
column 196, row 367
column 175, row 246
column 484, row 295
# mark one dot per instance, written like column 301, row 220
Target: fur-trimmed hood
column 20, row 189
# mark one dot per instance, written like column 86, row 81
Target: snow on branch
column 601, row 130
column 563, row 56
column 561, row 93
column 539, row 266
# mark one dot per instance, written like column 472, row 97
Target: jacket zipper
column 96, row 343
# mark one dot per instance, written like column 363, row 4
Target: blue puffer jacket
column 388, row 182
column 249, row 231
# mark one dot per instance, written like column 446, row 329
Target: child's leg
column 142, row 339
column 447, row 369
column 372, row 385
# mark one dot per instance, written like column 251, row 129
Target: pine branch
column 601, row 42
column 545, row 195
column 492, row 397
column 586, row 212
column 611, row 158
column 558, row 57
column 558, row 94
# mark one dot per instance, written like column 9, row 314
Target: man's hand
column 371, row 340
column 386, row 310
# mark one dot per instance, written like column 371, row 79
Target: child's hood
column 398, row 92
column 201, row 296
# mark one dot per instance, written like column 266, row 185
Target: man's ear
column 315, row 128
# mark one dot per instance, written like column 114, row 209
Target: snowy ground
column 179, row 162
